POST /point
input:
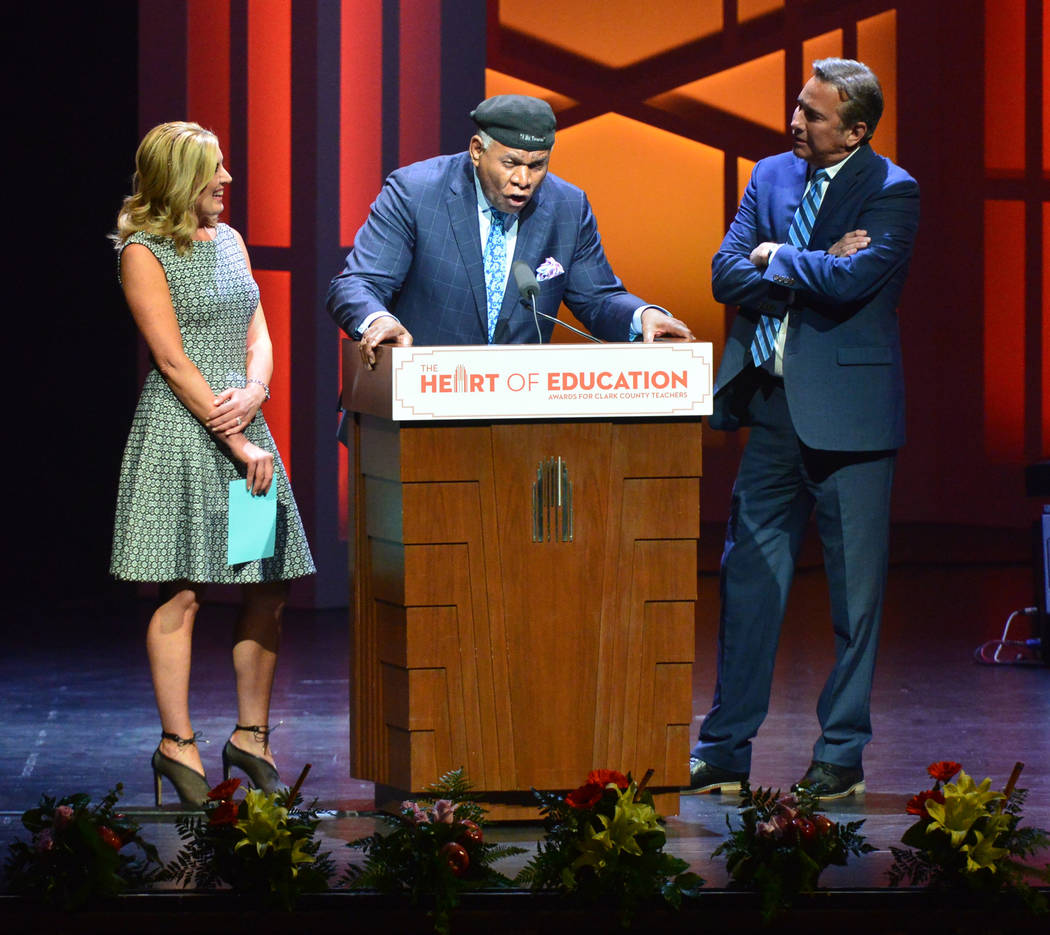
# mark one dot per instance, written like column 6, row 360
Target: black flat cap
column 517, row 121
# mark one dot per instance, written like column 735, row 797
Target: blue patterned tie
column 495, row 267
column 798, row 236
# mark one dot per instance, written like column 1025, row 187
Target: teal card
column 253, row 524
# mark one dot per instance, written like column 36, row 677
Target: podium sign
column 534, row 381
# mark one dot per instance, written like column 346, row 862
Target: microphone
column 526, row 280
column 528, row 289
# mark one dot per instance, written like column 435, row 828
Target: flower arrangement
column 784, row 845
column 604, row 842
column 967, row 836
column 78, row 852
column 434, row 848
column 263, row 845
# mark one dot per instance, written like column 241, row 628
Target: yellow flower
column 964, row 803
column 983, row 854
column 299, row 856
column 618, row 833
column 265, row 825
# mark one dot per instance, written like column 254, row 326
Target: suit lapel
column 463, row 215
column 534, row 224
column 792, row 188
column 840, row 189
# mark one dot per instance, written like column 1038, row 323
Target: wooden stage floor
column 79, row 712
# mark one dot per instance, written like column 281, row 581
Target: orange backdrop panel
column 827, row 45
column 749, row 9
column 613, row 32
column 753, row 90
column 877, row 48
column 658, row 200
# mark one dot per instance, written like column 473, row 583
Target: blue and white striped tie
column 798, row 236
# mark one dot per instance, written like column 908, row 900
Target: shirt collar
column 484, row 207
column 833, row 170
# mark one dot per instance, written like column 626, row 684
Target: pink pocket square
column 548, row 269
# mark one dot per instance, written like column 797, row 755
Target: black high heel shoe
column 262, row 773
column 191, row 786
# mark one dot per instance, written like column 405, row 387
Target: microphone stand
column 529, row 288
column 536, row 315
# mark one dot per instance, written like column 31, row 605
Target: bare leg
column 169, row 640
column 256, row 642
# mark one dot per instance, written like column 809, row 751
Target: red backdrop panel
column 208, row 74
column 1004, row 85
column 276, row 289
column 270, row 123
column 1004, row 330
column 420, row 108
column 360, row 112
column 1045, row 330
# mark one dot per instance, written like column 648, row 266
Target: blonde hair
column 173, row 164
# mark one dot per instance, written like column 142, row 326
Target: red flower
column 943, row 770
column 587, row 796
column 917, row 803
column 604, row 776
column 224, row 790
column 110, row 837
column 226, row 813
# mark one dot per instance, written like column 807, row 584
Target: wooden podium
column 523, row 586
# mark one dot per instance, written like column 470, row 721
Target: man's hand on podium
column 383, row 329
column 658, row 325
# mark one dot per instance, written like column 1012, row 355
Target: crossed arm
column 855, row 266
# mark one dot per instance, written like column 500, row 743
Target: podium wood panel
column 526, row 663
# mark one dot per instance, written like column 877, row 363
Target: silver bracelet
column 263, row 385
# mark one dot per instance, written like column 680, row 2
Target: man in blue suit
column 428, row 267
column 815, row 260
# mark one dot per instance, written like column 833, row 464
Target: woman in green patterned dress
column 199, row 425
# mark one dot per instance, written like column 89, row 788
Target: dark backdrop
column 72, row 84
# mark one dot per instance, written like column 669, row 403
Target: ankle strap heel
column 261, row 732
column 180, row 742
column 262, row 773
column 190, row 785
